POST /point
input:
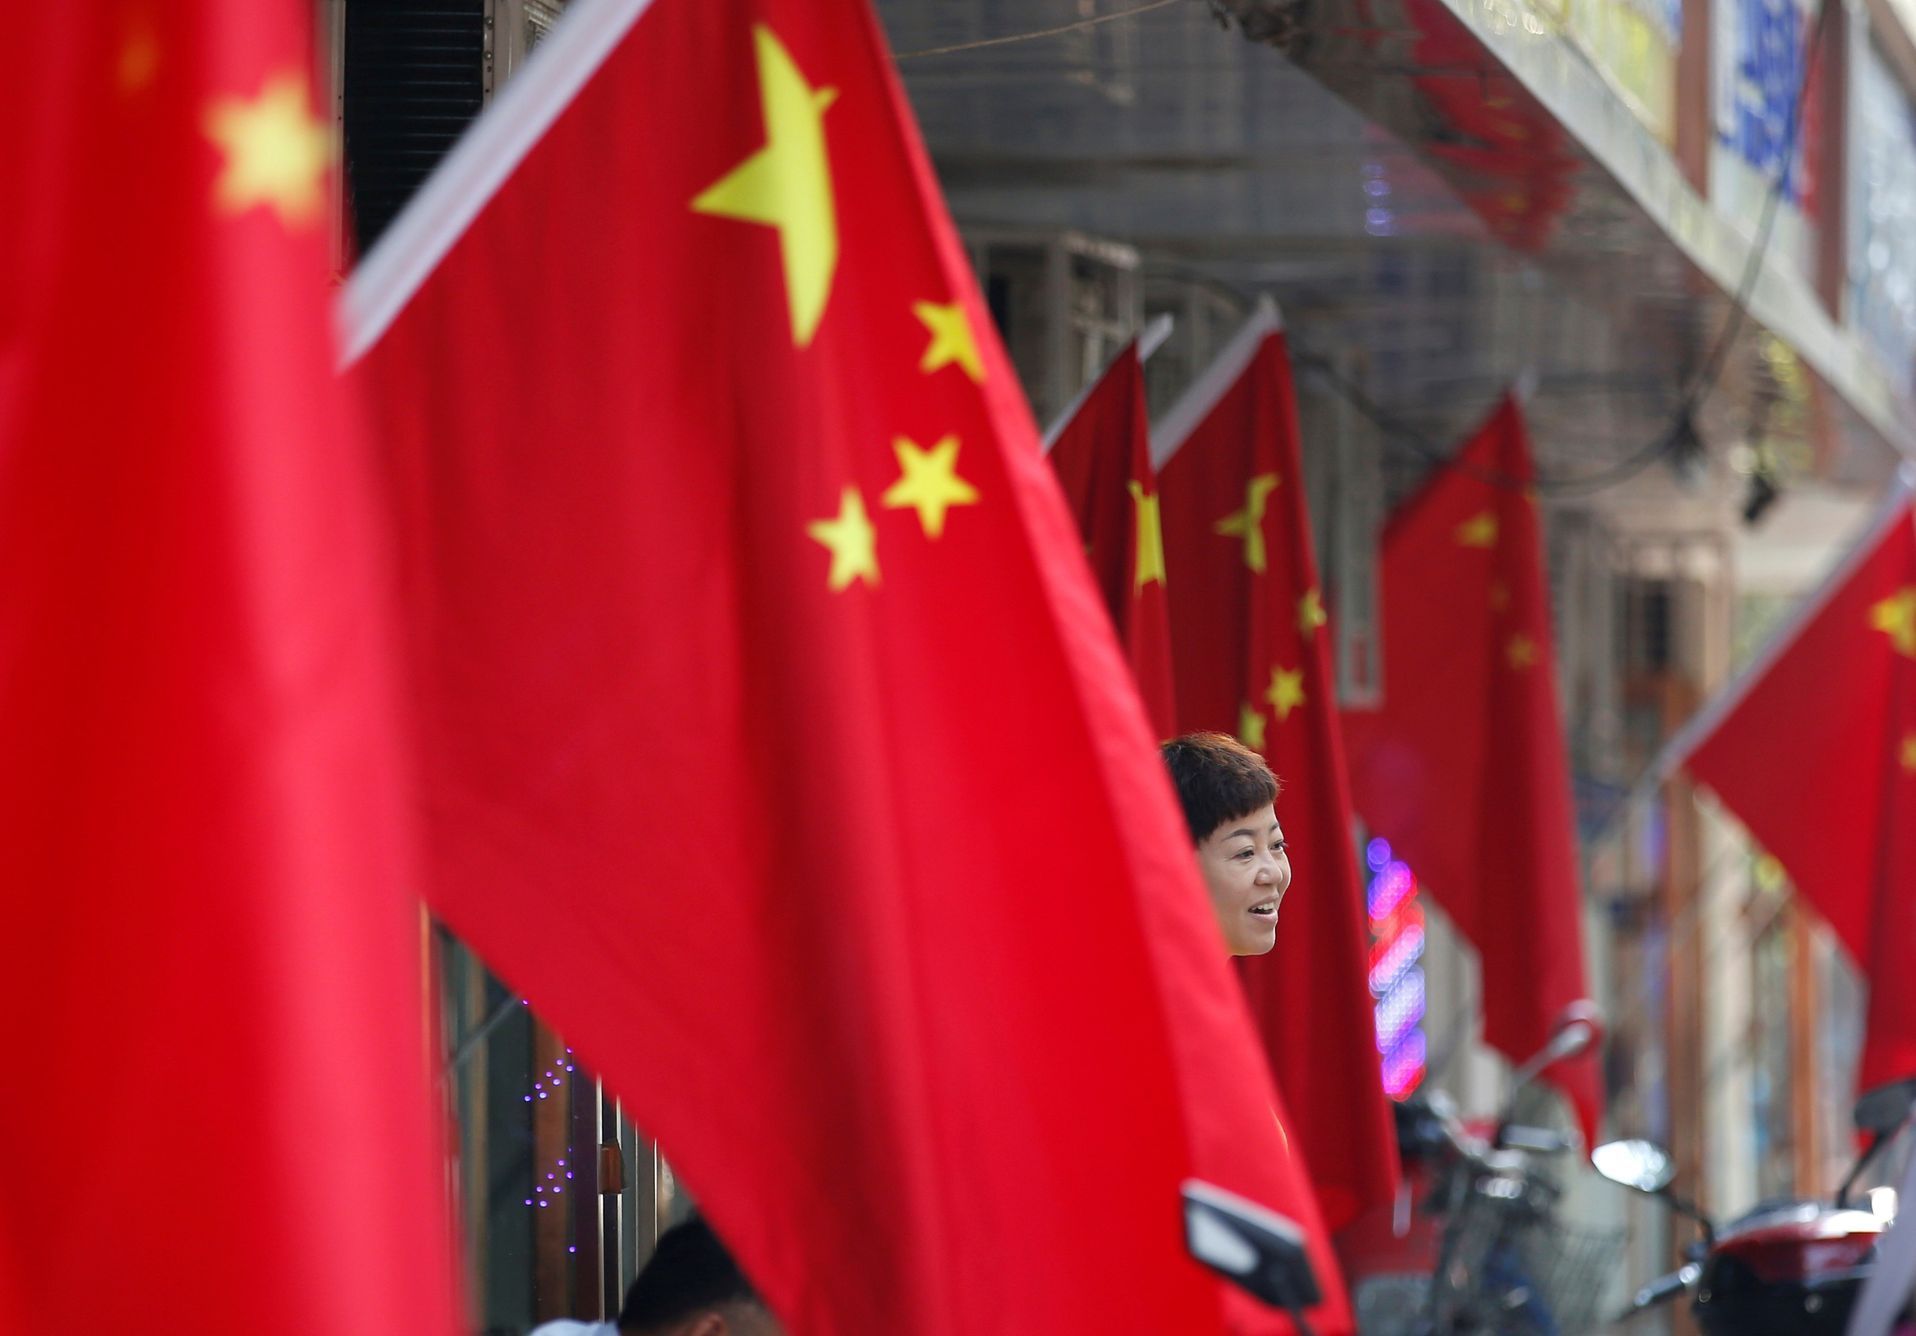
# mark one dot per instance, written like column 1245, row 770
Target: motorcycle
column 1783, row 1268
column 1472, row 1243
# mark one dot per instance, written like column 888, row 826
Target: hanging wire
column 1010, row 38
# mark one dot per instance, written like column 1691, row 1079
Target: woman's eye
column 1243, row 854
column 1280, row 846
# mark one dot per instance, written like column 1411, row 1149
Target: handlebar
column 1663, row 1289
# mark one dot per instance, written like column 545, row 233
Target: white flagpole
column 490, row 151
column 1705, row 721
column 1170, row 432
column 1149, row 340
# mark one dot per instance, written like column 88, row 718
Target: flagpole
column 1704, row 722
column 1149, row 340
column 486, row 155
column 1169, row 434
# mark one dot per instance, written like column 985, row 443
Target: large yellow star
column 1150, row 543
column 1908, row 753
column 929, row 483
column 1480, row 530
column 1286, row 691
column 788, row 183
column 1521, row 651
column 1248, row 523
column 1310, row 611
column 1250, row 727
column 276, row 151
column 852, row 541
column 951, row 339
column 1895, row 617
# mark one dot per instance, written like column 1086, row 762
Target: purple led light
column 1377, row 853
column 1403, row 953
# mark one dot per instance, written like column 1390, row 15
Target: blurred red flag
column 776, row 745
column 1816, row 755
column 1254, row 659
column 1102, row 455
column 1463, row 769
column 220, row 1118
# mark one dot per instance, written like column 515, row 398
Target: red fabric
column 217, row 1116
column 1818, row 760
column 1103, row 461
column 1463, row 769
column 1234, row 628
column 871, row 902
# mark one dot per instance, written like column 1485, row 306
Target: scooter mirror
column 1638, row 1164
column 1886, row 1108
column 1579, row 1027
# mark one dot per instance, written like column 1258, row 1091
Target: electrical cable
column 1010, row 38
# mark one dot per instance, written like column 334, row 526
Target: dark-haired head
column 1218, row 778
column 692, row 1287
column 1227, row 793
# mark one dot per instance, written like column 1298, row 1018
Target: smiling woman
column 1227, row 792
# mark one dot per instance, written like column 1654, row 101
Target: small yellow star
column 276, row 151
column 1895, row 617
column 1521, row 651
column 1499, row 595
column 852, row 541
column 951, row 339
column 1248, row 523
column 1480, row 530
column 1150, row 544
column 787, row 185
column 929, row 483
column 1908, row 753
column 1310, row 611
column 1286, row 691
column 1250, row 727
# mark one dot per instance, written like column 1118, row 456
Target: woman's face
column 1247, row 871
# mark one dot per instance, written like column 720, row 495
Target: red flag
column 1253, row 659
column 219, row 1118
column 776, row 746
column 1102, row 455
column 1463, row 769
column 1816, row 755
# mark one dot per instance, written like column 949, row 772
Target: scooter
column 1789, row 1268
column 1446, row 1258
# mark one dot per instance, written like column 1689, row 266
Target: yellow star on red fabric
column 1895, row 617
column 787, row 185
column 1310, row 611
column 1286, row 691
column 1521, row 651
column 276, row 151
column 1480, row 530
column 852, row 541
column 951, row 339
column 1248, row 523
column 1907, row 754
column 1250, row 727
column 1150, row 537
column 929, row 483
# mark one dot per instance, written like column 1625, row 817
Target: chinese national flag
column 1463, row 770
column 1103, row 460
column 775, row 743
column 1254, row 659
column 218, row 1117
column 1817, row 758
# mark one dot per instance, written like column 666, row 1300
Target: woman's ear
column 708, row 1324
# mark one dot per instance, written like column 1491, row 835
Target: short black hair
column 690, row 1273
column 1218, row 779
